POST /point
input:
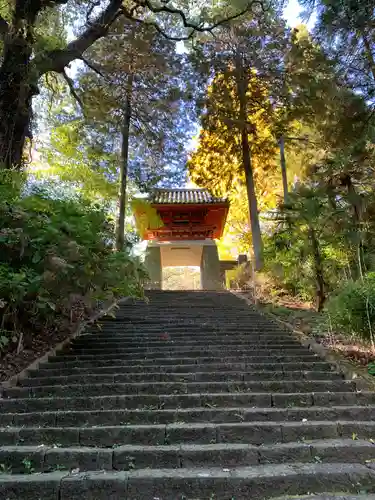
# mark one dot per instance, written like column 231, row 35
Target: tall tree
column 241, row 110
column 145, row 98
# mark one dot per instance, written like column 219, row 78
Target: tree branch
column 95, row 4
column 92, row 66
column 70, row 83
column 186, row 23
column 170, row 37
column 57, row 60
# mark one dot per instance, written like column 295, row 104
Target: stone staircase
column 190, row 396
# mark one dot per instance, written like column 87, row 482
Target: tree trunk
column 353, row 197
column 253, row 204
column 331, row 194
column 318, row 265
column 125, row 132
column 283, row 169
column 16, row 90
column 356, row 203
column 21, row 69
column 242, row 84
column 369, row 54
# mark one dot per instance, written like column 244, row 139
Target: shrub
column 239, row 277
column 57, row 263
column 351, row 310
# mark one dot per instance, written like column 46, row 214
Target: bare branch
column 57, row 60
column 170, row 37
column 92, row 66
column 186, row 23
column 70, row 83
column 128, row 15
column 51, row 3
column 91, row 8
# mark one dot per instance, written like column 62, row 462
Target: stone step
column 198, row 327
column 162, row 341
column 204, row 312
column 200, row 324
column 44, row 458
column 256, row 433
column 188, row 353
column 197, row 335
column 178, row 322
column 235, row 376
column 165, row 340
column 50, row 369
column 114, row 358
column 190, row 333
column 183, row 318
column 103, row 389
column 153, row 401
column 205, row 307
column 192, row 330
column 328, row 496
column 115, row 417
column 242, row 483
column 170, row 349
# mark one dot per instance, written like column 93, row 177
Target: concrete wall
column 211, row 276
column 153, row 265
column 181, row 254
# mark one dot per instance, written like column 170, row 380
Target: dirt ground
column 12, row 363
column 303, row 317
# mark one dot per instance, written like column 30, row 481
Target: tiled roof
column 184, row 196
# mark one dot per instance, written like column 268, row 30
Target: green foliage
column 304, row 251
column 371, row 369
column 50, row 30
column 337, row 114
column 80, row 159
column 345, row 30
column 351, row 310
column 57, row 263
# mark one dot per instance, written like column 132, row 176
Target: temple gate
column 192, row 219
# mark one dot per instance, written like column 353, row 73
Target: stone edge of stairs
column 141, row 484
column 81, row 328
column 329, row 496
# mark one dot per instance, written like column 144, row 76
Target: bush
column 351, row 310
column 267, row 286
column 57, row 263
column 239, row 277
